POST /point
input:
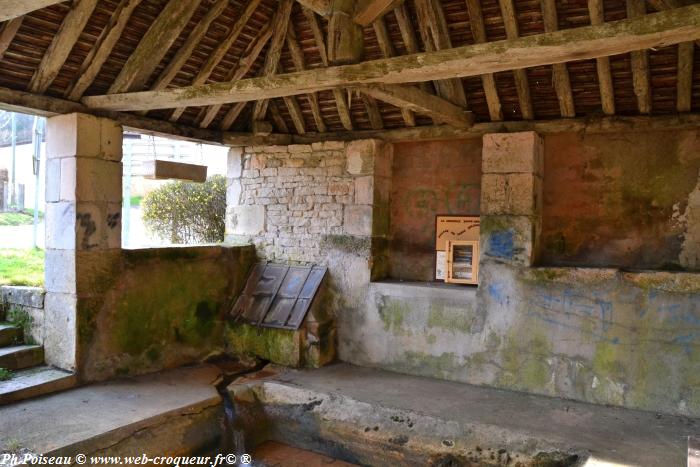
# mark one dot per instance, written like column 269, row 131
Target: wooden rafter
column 388, row 51
column 300, row 65
column 588, row 125
column 340, row 103
column 665, row 28
column 220, row 51
column 369, row 11
column 435, row 36
column 488, row 81
column 276, row 117
column 185, row 52
column 61, row 45
column 640, row 63
column 605, row 82
column 294, row 110
column 8, row 32
column 684, row 87
column 560, row 74
column 103, row 48
column 373, row 114
column 416, row 100
column 364, row 12
column 10, row 9
column 321, row 7
column 238, row 71
column 279, row 32
column 661, row 5
column 138, row 68
column 522, row 84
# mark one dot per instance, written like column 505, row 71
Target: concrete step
column 18, row 357
column 10, row 335
column 34, row 382
column 373, row 417
column 271, row 454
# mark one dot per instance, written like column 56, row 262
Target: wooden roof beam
column 661, row 5
column 153, row 46
column 388, row 51
column 587, row 125
column 684, row 86
column 321, row 7
column 433, row 31
column 560, row 74
column 220, row 51
column 488, row 81
column 61, row 45
column 97, row 57
column 238, row 71
column 340, row 103
column 363, row 12
column 8, row 32
column 522, row 84
column 640, row 63
column 369, row 11
column 10, row 9
column 614, row 38
column 300, row 65
column 605, row 82
column 279, row 26
column 416, row 100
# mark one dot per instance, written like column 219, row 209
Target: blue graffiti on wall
column 500, row 244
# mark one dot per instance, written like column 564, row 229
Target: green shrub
column 186, row 213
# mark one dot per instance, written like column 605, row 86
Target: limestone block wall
column 285, row 199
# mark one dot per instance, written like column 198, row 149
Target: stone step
column 10, row 335
column 18, row 357
column 34, row 382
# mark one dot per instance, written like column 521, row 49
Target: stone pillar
column 83, row 225
column 511, row 197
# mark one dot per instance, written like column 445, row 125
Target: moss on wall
column 161, row 308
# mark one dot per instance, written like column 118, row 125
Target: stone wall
column 286, row 198
column 158, row 308
column 598, row 335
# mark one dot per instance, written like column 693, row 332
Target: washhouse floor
column 345, row 412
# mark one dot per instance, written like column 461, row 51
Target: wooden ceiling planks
column 672, row 71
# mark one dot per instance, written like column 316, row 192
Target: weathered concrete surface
column 379, row 418
column 626, row 200
column 169, row 413
column 157, row 308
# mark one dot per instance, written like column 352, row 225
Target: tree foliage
column 187, row 213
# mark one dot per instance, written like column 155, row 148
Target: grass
column 5, row 374
column 22, row 267
column 13, row 219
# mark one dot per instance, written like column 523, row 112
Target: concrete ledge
column 22, row 296
column 170, row 413
column 434, row 290
column 373, row 417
